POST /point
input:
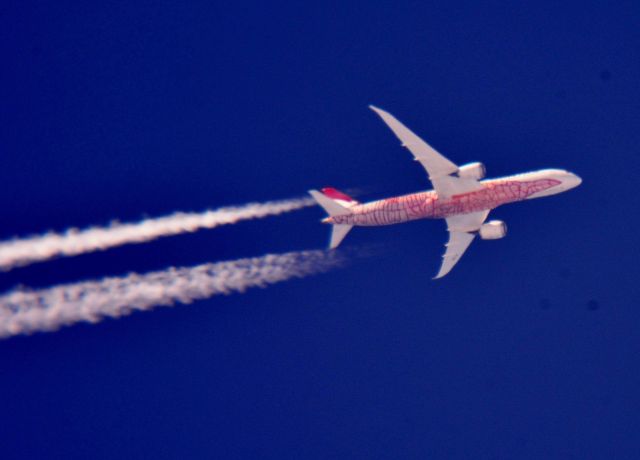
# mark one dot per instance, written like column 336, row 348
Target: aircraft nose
column 572, row 180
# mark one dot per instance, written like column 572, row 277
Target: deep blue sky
column 529, row 349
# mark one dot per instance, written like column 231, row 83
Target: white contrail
column 25, row 251
column 25, row 311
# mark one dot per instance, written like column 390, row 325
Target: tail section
column 335, row 203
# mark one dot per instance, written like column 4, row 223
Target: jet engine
column 472, row 171
column 493, row 230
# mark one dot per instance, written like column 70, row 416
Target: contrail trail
column 25, row 311
column 25, row 251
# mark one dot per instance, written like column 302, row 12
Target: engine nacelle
column 472, row 171
column 493, row 230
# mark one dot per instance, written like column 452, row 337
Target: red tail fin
column 337, row 195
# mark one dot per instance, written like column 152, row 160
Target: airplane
column 459, row 196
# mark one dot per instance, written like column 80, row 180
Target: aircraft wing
column 460, row 237
column 439, row 168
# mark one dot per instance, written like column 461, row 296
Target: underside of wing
column 439, row 169
column 461, row 234
column 435, row 164
column 457, row 245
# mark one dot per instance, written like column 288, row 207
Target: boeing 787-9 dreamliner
column 459, row 196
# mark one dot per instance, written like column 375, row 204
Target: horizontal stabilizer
column 332, row 207
column 338, row 233
column 335, row 203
